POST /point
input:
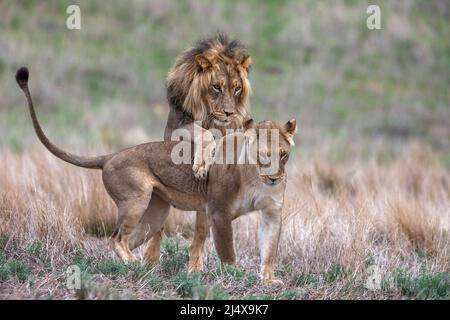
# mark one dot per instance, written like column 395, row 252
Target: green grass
column 335, row 273
column 291, row 295
column 35, row 248
column 154, row 282
column 423, row 286
column 175, row 257
column 234, row 273
column 10, row 268
column 113, row 268
column 188, row 285
column 306, row 280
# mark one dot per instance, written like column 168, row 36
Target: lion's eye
column 283, row 154
column 237, row 90
column 216, row 87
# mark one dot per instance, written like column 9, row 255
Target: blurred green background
column 355, row 92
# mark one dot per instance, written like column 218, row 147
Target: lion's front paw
column 203, row 161
column 200, row 171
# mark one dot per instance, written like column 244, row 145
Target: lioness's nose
column 229, row 113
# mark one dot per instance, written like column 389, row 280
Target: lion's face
column 224, row 95
column 274, row 142
column 224, row 91
column 209, row 82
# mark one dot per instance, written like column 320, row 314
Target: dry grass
column 339, row 222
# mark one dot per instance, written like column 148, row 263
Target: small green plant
column 259, row 297
column 306, row 279
column 154, row 282
column 3, row 242
column 19, row 269
column 424, row 286
column 188, row 285
column 336, row 272
column 83, row 263
column 2, row 258
column 137, row 269
column 11, row 268
column 113, row 268
column 174, row 257
column 291, row 295
column 5, row 272
column 217, row 294
column 231, row 272
column 35, row 248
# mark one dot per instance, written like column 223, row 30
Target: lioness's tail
column 86, row 162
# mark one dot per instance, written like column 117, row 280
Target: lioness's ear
column 249, row 124
column 291, row 128
column 249, row 130
column 246, row 62
column 202, row 61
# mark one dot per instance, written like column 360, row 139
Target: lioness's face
column 274, row 142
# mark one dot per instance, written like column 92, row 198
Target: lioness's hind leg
column 154, row 217
column 130, row 212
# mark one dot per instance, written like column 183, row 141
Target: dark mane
column 184, row 69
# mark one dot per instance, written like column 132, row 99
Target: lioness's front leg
column 196, row 248
column 223, row 236
column 269, row 235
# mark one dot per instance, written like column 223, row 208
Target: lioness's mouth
column 272, row 180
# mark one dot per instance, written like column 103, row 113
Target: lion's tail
column 85, row 162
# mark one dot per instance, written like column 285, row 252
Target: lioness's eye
column 216, row 87
column 237, row 90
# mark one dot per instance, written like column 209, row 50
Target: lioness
column 133, row 175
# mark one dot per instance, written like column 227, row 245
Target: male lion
column 207, row 88
column 134, row 175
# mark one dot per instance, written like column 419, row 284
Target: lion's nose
column 229, row 113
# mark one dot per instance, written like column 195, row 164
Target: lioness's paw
column 195, row 268
column 273, row 282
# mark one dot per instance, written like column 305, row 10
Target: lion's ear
column 202, row 61
column 246, row 62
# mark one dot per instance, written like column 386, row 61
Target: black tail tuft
column 22, row 77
